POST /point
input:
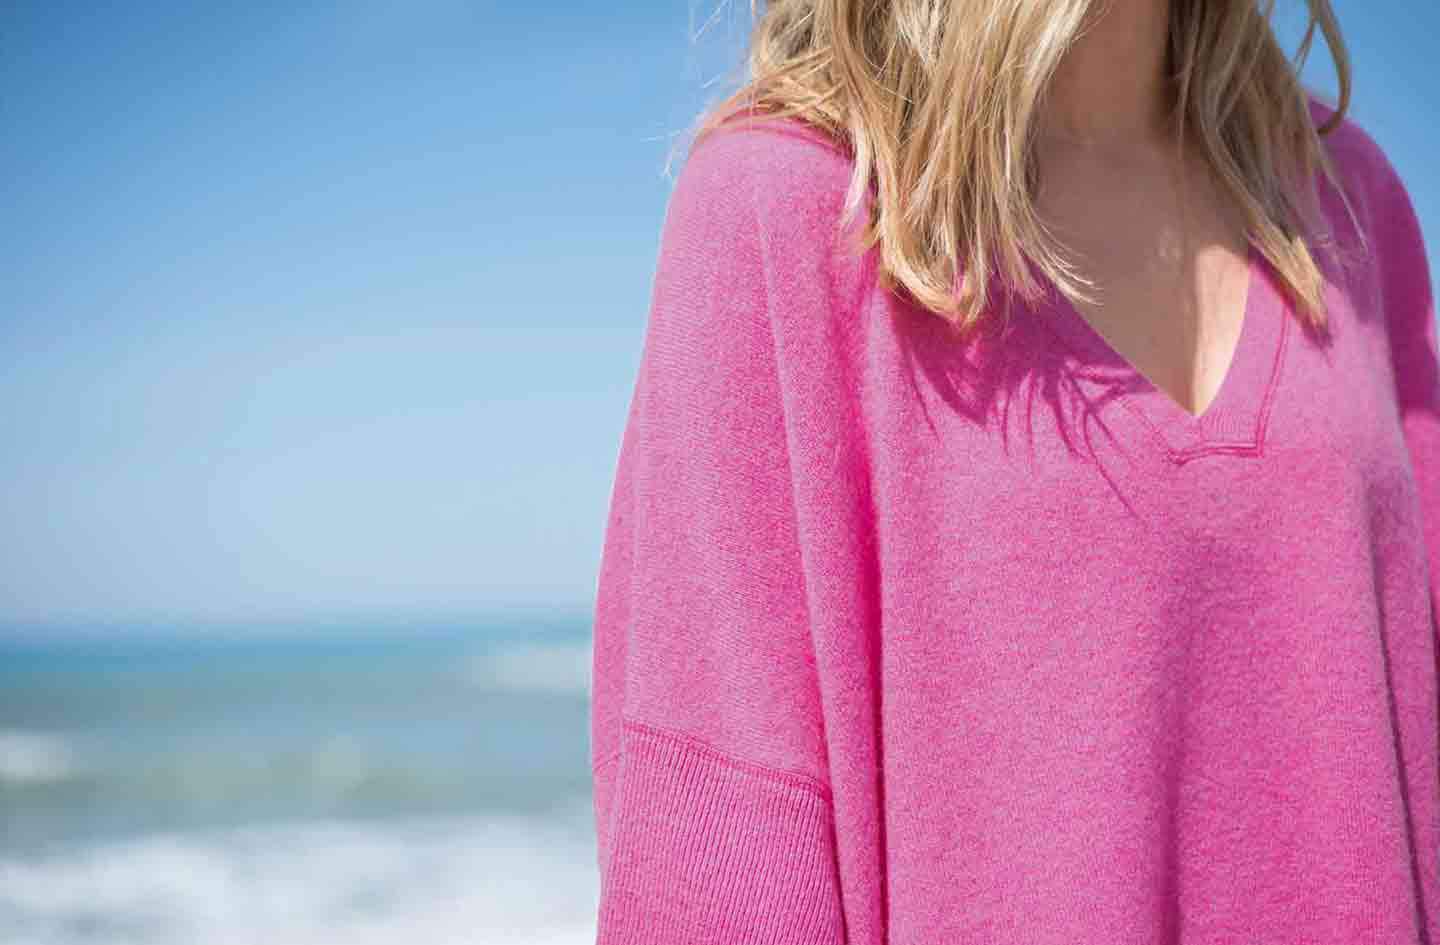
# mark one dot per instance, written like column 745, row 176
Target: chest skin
column 1167, row 256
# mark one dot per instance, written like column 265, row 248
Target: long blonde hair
column 954, row 173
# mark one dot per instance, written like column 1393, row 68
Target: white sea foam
column 478, row 881
column 550, row 667
column 34, row 757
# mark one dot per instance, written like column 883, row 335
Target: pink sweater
column 904, row 641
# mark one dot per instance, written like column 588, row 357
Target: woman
column 1027, row 526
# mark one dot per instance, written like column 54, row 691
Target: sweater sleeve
column 713, row 812
column 1410, row 313
column 1405, row 295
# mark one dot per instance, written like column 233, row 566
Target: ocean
column 428, row 785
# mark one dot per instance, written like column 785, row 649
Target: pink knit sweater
column 902, row 640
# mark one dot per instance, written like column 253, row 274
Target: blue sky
column 325, row 309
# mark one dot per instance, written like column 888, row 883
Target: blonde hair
column 953, row 172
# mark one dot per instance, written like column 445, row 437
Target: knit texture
column 903, row 639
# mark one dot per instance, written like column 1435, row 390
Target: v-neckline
column 1234, row 421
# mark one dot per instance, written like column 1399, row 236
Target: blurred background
column 318, row 329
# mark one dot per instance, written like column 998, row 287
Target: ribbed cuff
column 704, row 848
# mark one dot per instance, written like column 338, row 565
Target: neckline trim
column 1234, row 422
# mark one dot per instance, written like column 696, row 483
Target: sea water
column 428, row 784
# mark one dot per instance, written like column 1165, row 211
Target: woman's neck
column 1111, row 87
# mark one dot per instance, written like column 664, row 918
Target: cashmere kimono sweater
column 905, row 639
